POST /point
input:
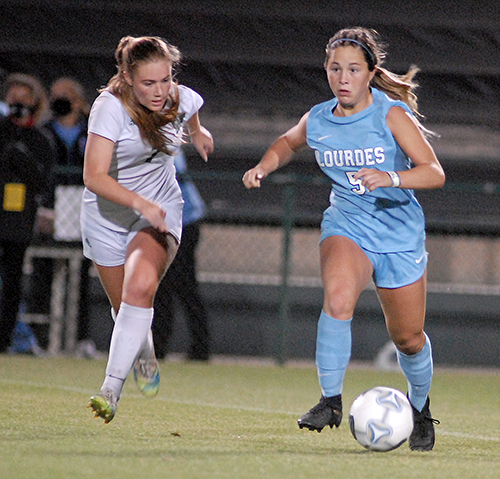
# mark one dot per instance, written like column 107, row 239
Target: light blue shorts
column 390, row 270
column 394, row 270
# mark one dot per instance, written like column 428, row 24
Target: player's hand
column 371, row 178
column 251, row 179
column 203, row 142
column 155, row 215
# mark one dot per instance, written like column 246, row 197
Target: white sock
column 130, row 333
column 148, row 350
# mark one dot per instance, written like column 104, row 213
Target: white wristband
column 395, row 179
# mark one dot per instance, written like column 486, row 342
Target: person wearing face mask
column 67, row 129
column 68, row 125
column 26, row 158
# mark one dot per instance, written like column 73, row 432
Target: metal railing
column 278, row 206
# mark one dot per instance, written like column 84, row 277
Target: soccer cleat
column 104, row 405
column 147, row 376
column 422, row 437
column 328, row 412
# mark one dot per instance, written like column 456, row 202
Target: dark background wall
column 266, row 56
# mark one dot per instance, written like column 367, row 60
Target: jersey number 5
column 358, row 188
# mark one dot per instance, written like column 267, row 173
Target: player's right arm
column 279, row 154
column 98, row 155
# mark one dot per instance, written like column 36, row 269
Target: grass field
column 228, row 420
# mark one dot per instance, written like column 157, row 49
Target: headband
column 361, row 44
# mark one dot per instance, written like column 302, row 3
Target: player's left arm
column 201, row 138
column 427, row 172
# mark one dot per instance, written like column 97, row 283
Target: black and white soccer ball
column 381, row 419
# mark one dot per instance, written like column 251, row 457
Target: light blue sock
column 418, row 370
column 333, row 351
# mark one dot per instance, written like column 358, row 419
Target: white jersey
column 137, row 166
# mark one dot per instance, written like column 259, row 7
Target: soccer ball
column 381, row 419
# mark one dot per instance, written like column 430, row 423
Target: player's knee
column 409, row 344
column 339, row 306
column 141, row 293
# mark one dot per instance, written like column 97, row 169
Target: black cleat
column 422, row 437
column 328, row 412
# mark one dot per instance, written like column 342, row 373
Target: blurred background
column 259, row 66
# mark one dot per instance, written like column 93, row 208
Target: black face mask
column 60, row 107
column 18, row 110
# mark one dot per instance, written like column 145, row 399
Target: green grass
column 227, row 420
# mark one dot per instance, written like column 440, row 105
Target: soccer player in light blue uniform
column 368, row 141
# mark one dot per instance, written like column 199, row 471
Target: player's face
column 151, row 83
column 349, row 79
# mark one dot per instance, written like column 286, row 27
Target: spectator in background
column 67, row 129
column 180, row 280
column 26, row 158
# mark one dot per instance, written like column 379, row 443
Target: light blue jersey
column 385, row 220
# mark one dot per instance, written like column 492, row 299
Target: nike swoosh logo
column 419, row 260
column 323, row 137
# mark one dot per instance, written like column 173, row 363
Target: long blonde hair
column 130, row 52
column 397, row 87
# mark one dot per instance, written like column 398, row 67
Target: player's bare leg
column 404, row 310
column 131, row 290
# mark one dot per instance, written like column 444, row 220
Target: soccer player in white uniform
column 131, row 217
column 364, row 139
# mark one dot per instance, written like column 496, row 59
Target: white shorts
column 106, row 247
column 107, row 229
